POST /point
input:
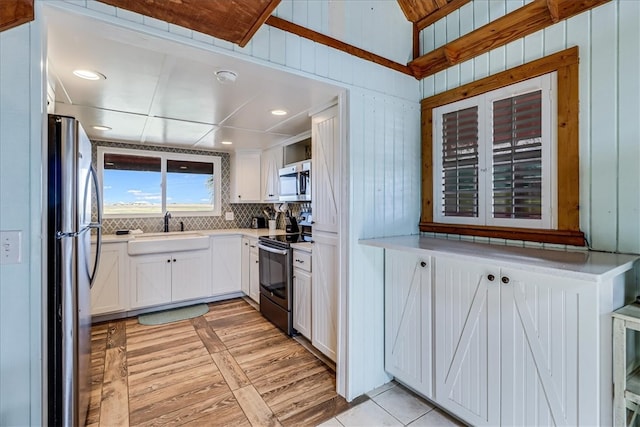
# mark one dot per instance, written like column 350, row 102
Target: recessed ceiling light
column 100, row 127
column 226, row 76
column 89, row 75
column 279, row 112
column 226, row 142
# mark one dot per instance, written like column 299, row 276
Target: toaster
column 258, row 222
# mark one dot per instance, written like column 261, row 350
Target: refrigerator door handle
column 96, row 225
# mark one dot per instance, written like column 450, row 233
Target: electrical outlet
column 228, row 216
column 10, row 247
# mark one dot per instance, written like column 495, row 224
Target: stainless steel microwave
column 295, row 182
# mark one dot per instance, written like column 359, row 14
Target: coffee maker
column 291, row 224
column 304, row 221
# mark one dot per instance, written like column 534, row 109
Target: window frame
column 164, row 156
column 566, row 209
column 484, row 103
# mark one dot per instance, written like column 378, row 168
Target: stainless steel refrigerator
column 72, row 189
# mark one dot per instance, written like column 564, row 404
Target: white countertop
column 584, row 265
column 303, row 246
column 249, row 232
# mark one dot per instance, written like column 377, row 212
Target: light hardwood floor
column 229, row 367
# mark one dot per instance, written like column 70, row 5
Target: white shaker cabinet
column 254, row 271
column 245, row 273
column 171, row 277
column 109, row 290
column 245, row 177
column 271, row 164
column 226, row 265
column 302, row 286
column 324, row 294
column 408, row 319
column 250, row 276
column 515, row 347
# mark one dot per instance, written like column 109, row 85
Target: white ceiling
column 161, row 92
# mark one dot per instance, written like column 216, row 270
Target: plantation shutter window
column 460, row 163
column 517, row 157
column 494, row 161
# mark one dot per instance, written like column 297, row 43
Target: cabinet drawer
column 302, row 260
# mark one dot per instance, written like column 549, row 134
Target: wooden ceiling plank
column 231, row 20
column 440, row 13
column 15, row 12
column 523, row 21
column 306, row 33
column 414, row 10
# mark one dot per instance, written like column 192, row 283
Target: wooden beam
column 521, row 22
column 258, row 23
column 15, row 12
column 306, row 33
column 416, row 41
column 440, row 13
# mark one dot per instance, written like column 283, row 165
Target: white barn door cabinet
column 517, row 336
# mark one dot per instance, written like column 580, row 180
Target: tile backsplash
column 242, row 212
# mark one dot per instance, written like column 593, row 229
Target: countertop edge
column 584, row 265
column 247, row 232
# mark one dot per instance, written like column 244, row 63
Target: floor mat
column 173, row 315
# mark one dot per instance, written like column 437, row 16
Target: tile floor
column 392, row 405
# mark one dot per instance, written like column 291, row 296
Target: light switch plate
column 228, row 216
column 10, row 247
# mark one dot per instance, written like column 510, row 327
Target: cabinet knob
column 491, row 277
column 423, row 264
column 174, row 260
column 168, row 260
column 505, row 279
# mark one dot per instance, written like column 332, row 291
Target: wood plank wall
column 607, row 38
column 383, row 133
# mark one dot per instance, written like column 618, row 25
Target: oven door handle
column 272, row 250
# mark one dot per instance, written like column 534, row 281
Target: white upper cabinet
column 271, row 163
column 245, row 177
column 325, row 134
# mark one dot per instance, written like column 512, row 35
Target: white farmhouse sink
column 167, row 242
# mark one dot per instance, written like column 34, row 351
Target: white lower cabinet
column 163, row 278
column 254, row 273
column 250, row 274
column 324, row 294
column 226, row 265
column 302, row 292
column 408, row 319
column 514, row 347
column 109, row 289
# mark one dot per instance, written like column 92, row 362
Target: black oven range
column 276, row 271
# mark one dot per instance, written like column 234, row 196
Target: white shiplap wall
column 21, row 106
column 382, row 156
column 608, row 38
